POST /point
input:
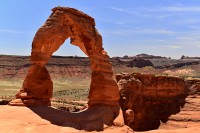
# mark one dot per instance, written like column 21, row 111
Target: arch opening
column 67, row 49
column 71, row 76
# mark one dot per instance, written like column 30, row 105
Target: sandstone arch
column 62, row 24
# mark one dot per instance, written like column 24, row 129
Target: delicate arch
column 62, row 24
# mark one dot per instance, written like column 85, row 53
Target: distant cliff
column 187, row 57
column 12, row 67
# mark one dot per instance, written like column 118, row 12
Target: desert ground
column 71, row 72
column 71, row 81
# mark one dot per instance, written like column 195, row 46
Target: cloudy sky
column 168, row 28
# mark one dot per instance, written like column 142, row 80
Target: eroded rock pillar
column 103, row 88
column 37, row 87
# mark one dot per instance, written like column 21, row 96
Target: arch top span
column 62, row 24
column 68, row 23
column 75, row 12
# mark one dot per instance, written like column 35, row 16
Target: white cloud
column 117, row 9
column 126, row 10
column 156, row 31
column 9, row 31
column 189, row 38
column 114, row 21
column 161, row 12
column 182, row 9
column 154, row 40
column 174, row 46
column 187, row 20
column 158, row 9
column 194, row 27
column 196, row 44
column 192, row 21
column 126, row 32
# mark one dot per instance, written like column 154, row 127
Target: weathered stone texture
column 147, row 99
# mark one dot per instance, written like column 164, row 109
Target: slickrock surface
column 62, row 24
column 16, row 119
column 149, row 101
column 181, row 130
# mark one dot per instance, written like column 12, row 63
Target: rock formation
column 193, row 86
column 146, row 56
column 187, row 57
column 147, row 99
column 178, row 65
column 62, row 24
column 3, row 102
column 139, row 62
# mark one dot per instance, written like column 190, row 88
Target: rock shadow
column 91, row 119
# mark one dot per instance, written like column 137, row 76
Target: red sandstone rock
column 62, row 24
column 147, row 99
column 193, row 86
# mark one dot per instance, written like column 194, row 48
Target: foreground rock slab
column 46, row 119
column 182, row 130
column 20, row 119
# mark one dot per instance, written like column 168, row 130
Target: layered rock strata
column 189, row 116
column 147, row 99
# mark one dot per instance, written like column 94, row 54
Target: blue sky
column 168, row 28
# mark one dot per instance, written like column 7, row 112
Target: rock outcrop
column 189, row 116
column 147, row 99
column 4, row 102
column 139, row 62
column 146, row 56
column 178, row 65
column 62, row 24
column 187, row 57
column 193, row 86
